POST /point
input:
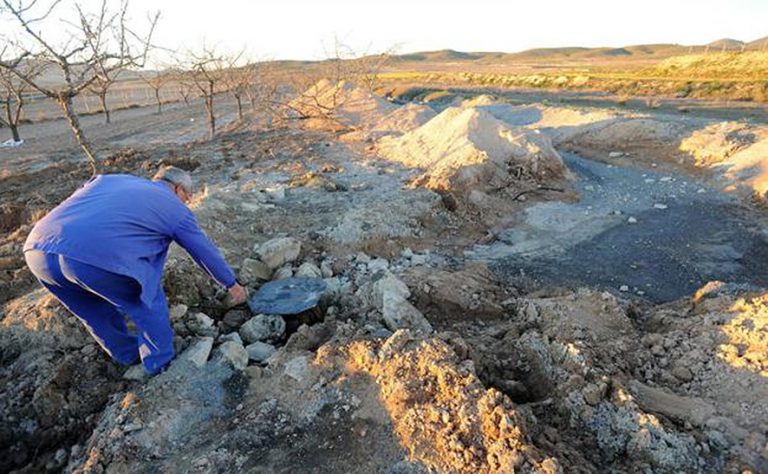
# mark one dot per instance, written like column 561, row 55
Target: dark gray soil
column 685, row 235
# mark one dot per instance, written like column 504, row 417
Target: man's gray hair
column 173, row 175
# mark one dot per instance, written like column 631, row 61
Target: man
column 101, row 253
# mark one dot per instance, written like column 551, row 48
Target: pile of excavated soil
column 634, row 132
column 401, row 120
column 462, row 150
column 340, row 106
column 559, row 123
column 404, row 119
column 737, row 154
column 717, row 142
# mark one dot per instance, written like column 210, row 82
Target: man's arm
column 189, row 235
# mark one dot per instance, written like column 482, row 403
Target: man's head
column 178, row 180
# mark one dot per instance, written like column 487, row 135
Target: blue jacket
column 125, row 224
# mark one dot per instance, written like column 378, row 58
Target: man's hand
column 236, row 295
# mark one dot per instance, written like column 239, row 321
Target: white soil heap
column 405, row 118
column 468, row 149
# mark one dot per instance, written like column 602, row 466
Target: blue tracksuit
column 102, row 251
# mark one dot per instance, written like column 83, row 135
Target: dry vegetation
column 728, row 76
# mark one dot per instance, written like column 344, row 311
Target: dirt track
column 685, row 234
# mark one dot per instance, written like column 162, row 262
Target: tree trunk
column 15, row 132
column 65, row 102
column 209, row 108
column 252, row 100
column 159, row 102
column 104, row 109
column 239, row 107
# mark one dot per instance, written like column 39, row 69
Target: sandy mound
column 480, row 100
column 736, row 152
column 748, row 168
column 462, row 150
column 618, row 134
column 717, row 142
column 405, row 118
column 401, row 120
column 340, row 106
column 559, row 123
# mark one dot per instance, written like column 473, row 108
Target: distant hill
column 444, row 55
column 759, row 44
column 642, row 51
column 727, row 44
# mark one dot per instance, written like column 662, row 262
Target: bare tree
column 156, row 80
column 236, row 80
column 206, row 68
column 97, row 46
column 320, row 91
column 186, row 88
column 12, row 95
column 264, row 89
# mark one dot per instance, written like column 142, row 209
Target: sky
column 306, row 29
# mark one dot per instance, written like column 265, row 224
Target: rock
column 666, row 179
column 658, row 350
column 398, row 313
column 178, row 311
column 297, row 368
column 252, row 271
column 277, row 252
column 419, row 259
column 233, row 336
column 407, row 253
column 362, row 257
column 233, row 353
column 134, row 426
column 283, row 272
column 387, row 285
column 260, row 351
column 262, row 327
column 309, row 270
column 326, row 269
column 136, row 373
column 234, row 318
column 659, row 206
column 623, row 288
column 275, row 194
column 615, row 154
column 378, row 264
column 682, row 373
column 202, row 325
column 593, row 393
column 198, row 351
column 682, row 409
column 631, row 220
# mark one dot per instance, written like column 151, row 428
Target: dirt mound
column 717, row 142
column 399, row 404
column 629, row 132
column 462, row 150
column 477, row 101
column 405, row 118
column 736, row 154
column 340, row 106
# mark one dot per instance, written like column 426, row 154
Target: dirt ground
column 478, row 329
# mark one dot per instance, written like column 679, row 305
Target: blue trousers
column 102, row 300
